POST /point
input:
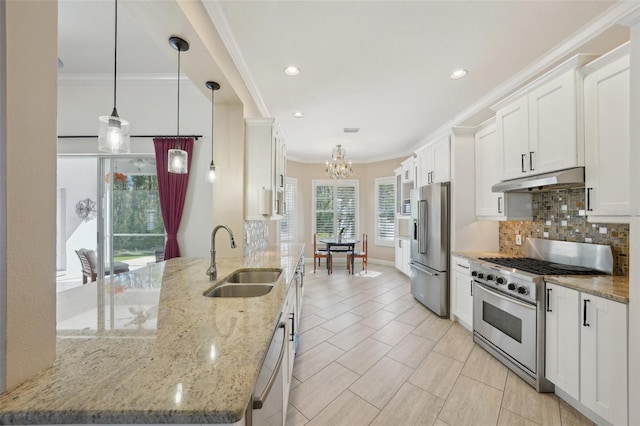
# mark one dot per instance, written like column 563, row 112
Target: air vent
column 351, row 129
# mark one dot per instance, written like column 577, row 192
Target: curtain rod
column 196, row 137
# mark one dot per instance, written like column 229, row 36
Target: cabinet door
column 425, row 166
column 552, row 126
column 462, row 288
column 603, row 347
column 512, row 123
column 406, row 257
column 408, row 170
column 487, row 174
column 562, row 338
column 398, row 254
column 441, row 161
column 606, row 105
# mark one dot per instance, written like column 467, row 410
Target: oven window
column 503, row 321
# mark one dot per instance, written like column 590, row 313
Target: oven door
column 507, row 323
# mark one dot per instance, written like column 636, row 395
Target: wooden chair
column 319, row 254
column 89, row 261
column 360, row 255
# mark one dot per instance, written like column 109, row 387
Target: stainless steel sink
column 252, row 282
column 239, row 290
column 254, row 276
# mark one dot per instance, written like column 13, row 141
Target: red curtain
column 172, row 188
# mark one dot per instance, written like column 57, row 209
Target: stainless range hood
column 561, row 179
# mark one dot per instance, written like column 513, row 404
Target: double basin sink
column 247, row 282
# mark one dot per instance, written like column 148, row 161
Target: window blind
column 385, row 210
column 288, row 223
column 336, row 207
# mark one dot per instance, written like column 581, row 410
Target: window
column 335, row 206
column 288, row 223
column 385, row 211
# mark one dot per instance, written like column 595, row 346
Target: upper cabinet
column 434, row 162
column 408, row 170
column 606, row 123
column 265, row 170
column 405, row 182
column 538, row 126
column 495, row 205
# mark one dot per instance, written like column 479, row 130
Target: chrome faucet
column 213, row 270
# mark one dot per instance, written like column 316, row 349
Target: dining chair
column 359, row 255
column 319, row 254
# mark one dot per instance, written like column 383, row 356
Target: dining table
column 339, row 245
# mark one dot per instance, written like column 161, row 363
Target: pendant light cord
column 178, row 118
column 115, row 58
column 212, row 92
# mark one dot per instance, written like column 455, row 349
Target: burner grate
column 541, row 267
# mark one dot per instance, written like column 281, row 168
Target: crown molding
column 95, row 78
column 221, row 24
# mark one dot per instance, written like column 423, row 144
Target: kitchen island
column 178, row 357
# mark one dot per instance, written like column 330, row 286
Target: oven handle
column 505, row 298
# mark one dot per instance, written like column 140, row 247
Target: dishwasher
column 267, row 402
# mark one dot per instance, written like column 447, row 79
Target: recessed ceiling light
column 298, row 114
column 457, row 74
column 291, row 70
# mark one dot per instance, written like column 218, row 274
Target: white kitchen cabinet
column 607, row 113
column 495, row 205
column 403, row 255
column 538, row 126
column 434, row 162
column 408, row 170
column 265, row 168
column 562, row 339
column 462, row 290
column 586, row 350
column 603, row 358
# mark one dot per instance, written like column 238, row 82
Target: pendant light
column 113, row 132
column 178, row 158
column 211, row 174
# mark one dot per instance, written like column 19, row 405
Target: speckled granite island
column 148, row 347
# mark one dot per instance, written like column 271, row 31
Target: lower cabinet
column 403, row 255
column 586, row 350
column 461, row 289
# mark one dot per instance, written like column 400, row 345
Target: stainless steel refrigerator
column 430, row 247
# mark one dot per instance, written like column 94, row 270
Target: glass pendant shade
column 113, row 134
column 211, row 175
column 178, row 161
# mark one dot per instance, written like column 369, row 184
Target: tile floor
column 370, row 354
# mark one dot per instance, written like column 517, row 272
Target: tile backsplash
column 256, row 236
column 560, row 215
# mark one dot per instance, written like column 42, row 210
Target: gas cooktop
column 541, row 267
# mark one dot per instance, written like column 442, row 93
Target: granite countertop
column 611, row 287
column 148, row 347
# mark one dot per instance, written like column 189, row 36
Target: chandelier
column 339, row 168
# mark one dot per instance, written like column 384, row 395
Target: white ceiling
column 382, row 66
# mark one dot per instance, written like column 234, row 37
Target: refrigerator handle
column 423, row 226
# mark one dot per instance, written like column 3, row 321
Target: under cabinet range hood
column 561, row 179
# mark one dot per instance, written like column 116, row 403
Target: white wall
column 31, row 70
column 634, row 234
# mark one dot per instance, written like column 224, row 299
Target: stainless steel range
column 509, row 300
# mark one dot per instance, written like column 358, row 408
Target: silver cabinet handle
column 259, row 402
column 584, row 313
column 499, row 204
column 522, row 163
column 462, row 266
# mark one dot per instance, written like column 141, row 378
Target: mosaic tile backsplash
column 256, row 236
column 559, row 215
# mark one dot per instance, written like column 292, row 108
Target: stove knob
column 511, row 286
column 523, row 290
column 474, row 273
column 490, row 277
column 500, row 280
column 480, row 275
